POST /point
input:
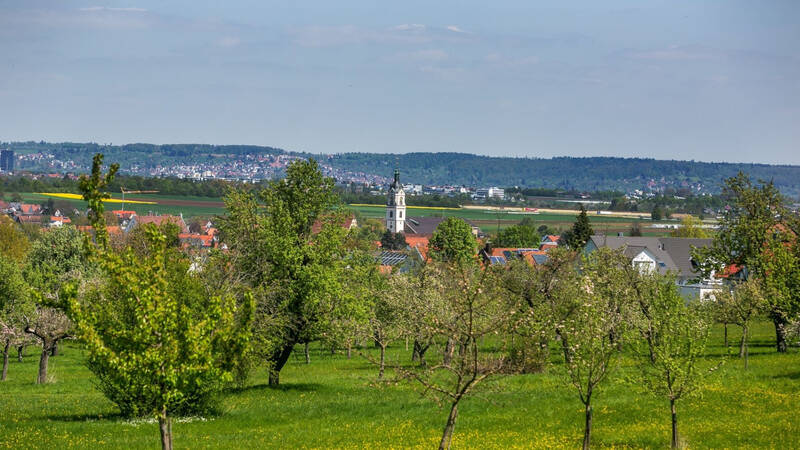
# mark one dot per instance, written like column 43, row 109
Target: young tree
column 453, row 242
column 743, row 303
column 691, row 227
column 295, row 272
column 673, row 340
column 581, row 231
column 518, row 236
column 591, row 324
column 155, row 348
column 466, row 307
column 13, row 242
column 14, row 305
column 747, row 239
column 55, row 259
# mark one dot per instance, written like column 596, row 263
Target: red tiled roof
column 159, row 220
column 420, row 243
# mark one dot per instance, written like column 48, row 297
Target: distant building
column 7, row 160
column 492, row 192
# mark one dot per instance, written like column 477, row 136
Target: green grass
column 334, row 403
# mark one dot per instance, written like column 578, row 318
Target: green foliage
column 453, row 242
column 691, row 227
column 673, row 342
column 157, row 345
column 518, row 236
column 295, row 273
column 581, row 231
column 14, row 243
column 759, row 234
column 393, row 241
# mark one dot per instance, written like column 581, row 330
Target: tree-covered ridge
column 589, row 173
column 567, row 173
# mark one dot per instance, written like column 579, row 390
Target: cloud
column 454, row 29
column 105, row 8
column 329, row 36
column 409, row 26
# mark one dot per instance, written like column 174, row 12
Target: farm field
column 488, row 220
column 491, row 220
column 335, row 403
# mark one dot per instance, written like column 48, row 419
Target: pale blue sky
column 703, row 80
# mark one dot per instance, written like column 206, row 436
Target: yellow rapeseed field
column 79, row 197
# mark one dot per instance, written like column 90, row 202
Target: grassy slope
column 332, row 403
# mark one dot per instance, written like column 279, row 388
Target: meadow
column 335, row 402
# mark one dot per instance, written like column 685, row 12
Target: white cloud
column 409, row 26
column 454, row 29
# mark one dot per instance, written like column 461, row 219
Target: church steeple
column 396, row 205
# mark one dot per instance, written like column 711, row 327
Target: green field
column 488, row 221
column 335, row 403
column 491, row 221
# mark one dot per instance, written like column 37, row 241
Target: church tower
column 396, row 206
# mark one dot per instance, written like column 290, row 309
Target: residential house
column 665, row 255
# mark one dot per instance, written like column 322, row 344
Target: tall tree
column 294, row 271
column 756, row 230
column 155, row 347
column 453, row 242
column 13, row 242
column 581, row 231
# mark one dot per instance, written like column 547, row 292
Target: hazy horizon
column 714, row 81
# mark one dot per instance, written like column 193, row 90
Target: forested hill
column 583, row 174
column 593, row 174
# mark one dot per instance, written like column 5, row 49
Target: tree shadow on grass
column 790, row 376
column 286, row 387
column 85, row 417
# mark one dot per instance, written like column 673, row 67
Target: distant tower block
column 396, row 206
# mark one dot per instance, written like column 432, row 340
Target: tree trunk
column 743, row 346
column 165, row 425
column 308, row 356
column 349, row 350
column 674, row 443
column 278, row 360
column 449, row 348
column 447, row 435
column 419, row 353
column 587, row 431
column 54, row 350
column 20, row 349
column 383, row 360
column 43, row 364
column 725, row 327
column 5, row 360
column 780, row 334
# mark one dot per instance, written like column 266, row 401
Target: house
column 502, row 256
column 157, row 221
column 348, row 223
column 123, row 215
column 665, row 255
column 197, row 240
column 29, row 209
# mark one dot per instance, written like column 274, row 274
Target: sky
column 714, row 80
